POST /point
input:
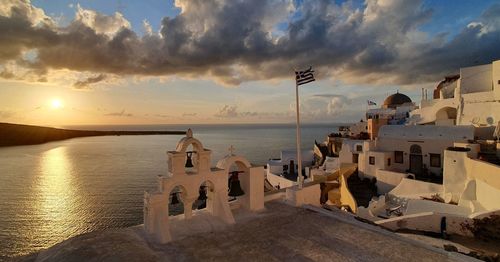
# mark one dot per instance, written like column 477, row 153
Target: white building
column 469, row 194
column 394, row 111
column 472, row 98
column 416, row 150
column 282, row 172
column 450, row 140
column 465, row 108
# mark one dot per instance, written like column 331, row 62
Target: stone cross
column 231, row 150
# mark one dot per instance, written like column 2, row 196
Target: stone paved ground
column 281, row 233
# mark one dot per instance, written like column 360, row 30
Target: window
column 398, row 157
column 435, row 160
column 388, row 162
column 372, row 160
column 359, row 148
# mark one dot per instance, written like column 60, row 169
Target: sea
column 54, row 191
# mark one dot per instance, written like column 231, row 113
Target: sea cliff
column 16, row 135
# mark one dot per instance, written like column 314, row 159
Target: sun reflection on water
column 56, row 194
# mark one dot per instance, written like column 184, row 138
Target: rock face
column 280, row 233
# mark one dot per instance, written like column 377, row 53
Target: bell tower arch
column 251, row 180
column 199, row 158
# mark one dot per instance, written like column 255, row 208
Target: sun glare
column 56, row 103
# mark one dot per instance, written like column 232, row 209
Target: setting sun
column 56, row 103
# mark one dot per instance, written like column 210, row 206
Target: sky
column 66, row 62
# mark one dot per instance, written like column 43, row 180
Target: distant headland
column 16, row 135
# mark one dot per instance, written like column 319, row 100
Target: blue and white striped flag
column 304, row 77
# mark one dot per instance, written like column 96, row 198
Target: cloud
column 164, row 116
column 238, row 41
column 85, row 84
column 6, row 74
column 232, row 112
column 146, row 27
column 121, row 113
column 337, row 105
column 322, row 107
column 100, row 23
column 227, row 111
column 189, row 114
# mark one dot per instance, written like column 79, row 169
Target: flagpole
column 299, row 158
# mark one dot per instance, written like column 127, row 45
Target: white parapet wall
column 417, row 206
column 429, row 222
column 277, row 180
column 388, row 180
column 459, row 169
column 307, row 195
column 434, row 222
column 410, row 188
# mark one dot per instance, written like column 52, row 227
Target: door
column 416, row 164
column 416, row 160
column 355, row 158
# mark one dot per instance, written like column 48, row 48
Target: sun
column 56, row 104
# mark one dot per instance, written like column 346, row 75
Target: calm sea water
column 57, row 190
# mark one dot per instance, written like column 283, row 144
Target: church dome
column 395, row 100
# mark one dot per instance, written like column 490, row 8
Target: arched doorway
column 416, row 160
column 446, row 115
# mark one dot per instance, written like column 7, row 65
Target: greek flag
column 371, row 103
column 304, row 77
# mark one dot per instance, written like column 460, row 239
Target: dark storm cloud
column 237, row 41
column 84, row 84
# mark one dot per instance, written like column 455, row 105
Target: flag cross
column 231, row 150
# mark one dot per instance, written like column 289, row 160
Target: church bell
column 175, row 199
column 189, row 161
column 234, row 185
column 202, row 193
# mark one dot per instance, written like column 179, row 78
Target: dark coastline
column 17, row 135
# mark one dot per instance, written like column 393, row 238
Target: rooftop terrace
column 280, row 233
